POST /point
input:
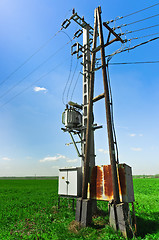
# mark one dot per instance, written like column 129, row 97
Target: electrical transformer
column 71, row 118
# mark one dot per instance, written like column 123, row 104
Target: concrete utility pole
column 86, row 82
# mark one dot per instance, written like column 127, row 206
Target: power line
column 19, row 82
column 137, row 30
column 76, row 83
column 127, row 24
column 140, row 10
column 25, row 89
column 138, row 45
column 29, row 58
column 119, row 18
column 136, row 38
column 69, row 72
column 126, row 63
column 72, row 79
column 67, row 81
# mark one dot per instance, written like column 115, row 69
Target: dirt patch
column 74, row 227
column 54, row 209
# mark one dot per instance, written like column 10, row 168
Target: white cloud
column 38, row 89
column 132, row 134
column 136, row 149
column 102, row 150
column 72, row 160
column 52, row 159
column 6, row 159
column 140, row 135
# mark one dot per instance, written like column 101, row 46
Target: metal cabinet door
column 72, row 183
column 63, row 188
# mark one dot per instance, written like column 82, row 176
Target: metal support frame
column 74, row 143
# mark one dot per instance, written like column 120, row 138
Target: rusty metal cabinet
column 101, row 187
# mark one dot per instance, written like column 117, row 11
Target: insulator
column 72, row 49
column 66, row 23
column 78, row 33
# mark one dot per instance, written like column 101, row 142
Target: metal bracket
column 74, row 143
column 79, row 48
column 95, row 127
column 80, row 21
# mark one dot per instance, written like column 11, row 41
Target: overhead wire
column 137, row 30
column 29, row 58
column 76, row 83
column 72, row 80
column 31, row 85
column 130, row 14
column 70, row 70
column 32, row 55
column 125, row 63
column 35, row 69
column 128, row 24
column 136, row 38
column 138, row 45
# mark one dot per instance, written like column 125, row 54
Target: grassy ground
column 28, row 210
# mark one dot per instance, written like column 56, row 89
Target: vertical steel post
column 108, row 113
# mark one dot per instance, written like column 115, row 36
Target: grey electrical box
column 70, row 181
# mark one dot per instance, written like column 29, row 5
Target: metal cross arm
column 111, row 31
column 80, row 21
column 114, row 33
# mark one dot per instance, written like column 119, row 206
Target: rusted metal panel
column 108, row 185
column 101, row 187
column 96, row 191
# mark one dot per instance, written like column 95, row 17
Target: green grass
column 28, row 210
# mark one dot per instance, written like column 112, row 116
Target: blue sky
column 31, row 139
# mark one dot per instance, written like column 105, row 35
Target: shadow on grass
column 144, row 225
column 100, row 219
column 147, row 226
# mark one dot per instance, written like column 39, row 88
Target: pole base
column 119, row 218
column 86, row 217
column 78, row 209
column 84, row 212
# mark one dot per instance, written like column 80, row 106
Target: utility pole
column 86, row 82
column 118, row 211
column 108, row 113
column 83, row 216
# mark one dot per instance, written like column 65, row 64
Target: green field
column 28, row 210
